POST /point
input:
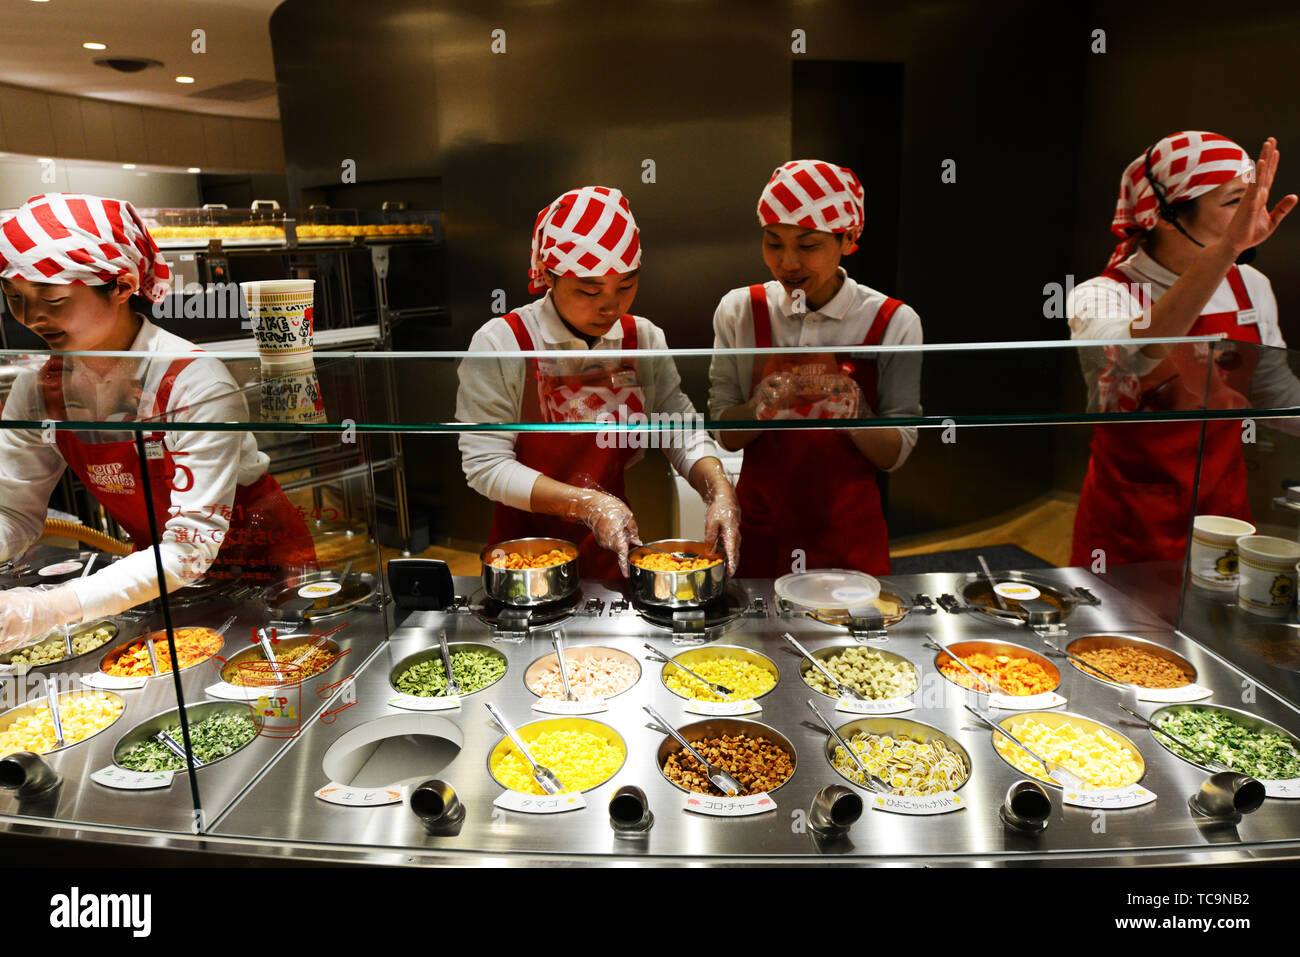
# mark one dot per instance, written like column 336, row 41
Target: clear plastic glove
column 814, row 392
column 722, row 521
column 611, row 522
column 27, row 614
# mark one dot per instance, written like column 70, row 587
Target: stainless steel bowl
column 712, row 653
column 830, row 651
column 963, row 648
column 435, row 654
column 677, row 589
column 65, row 664
column 978, row 594
column 1096, row 642
column 254, row 653
column 160, row 650
column 577, row 653
column 522, row 587
column 895, row 727
column 1254, row 722
column 714, row 727
column 145, row 730
column 1055, row 719
column 531, row 730
column 38, row 705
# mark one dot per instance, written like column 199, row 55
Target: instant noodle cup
column 1213, row 557
column 282, row 314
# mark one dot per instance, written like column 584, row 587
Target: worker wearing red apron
column 1188, row 209
column 586, row 254
column 74, row 270
column 813, row 492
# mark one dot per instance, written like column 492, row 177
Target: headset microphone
column 1170, row 214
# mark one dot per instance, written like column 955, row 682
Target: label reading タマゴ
column 541, row 803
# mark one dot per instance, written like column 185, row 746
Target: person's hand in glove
column 610, row 520
column 810, row 391
column 27, row 614
column 722, row 510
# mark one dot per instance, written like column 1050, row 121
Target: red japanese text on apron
column 1136, row 503
column 811, row 489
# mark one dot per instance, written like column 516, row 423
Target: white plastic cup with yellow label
column 1266, row 570
column 1213, row 557
column 283, row 316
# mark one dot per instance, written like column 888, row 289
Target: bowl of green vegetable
column 218, row 729
column 474, row 666
column 1244, row 742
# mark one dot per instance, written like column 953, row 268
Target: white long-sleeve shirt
column 839, row 325
column 1102, row 308
column 31, row 467
column 491, row 390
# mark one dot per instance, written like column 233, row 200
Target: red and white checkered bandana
column 69, row 239
column 815, row 195
column 587, row 232
column 1186, row 165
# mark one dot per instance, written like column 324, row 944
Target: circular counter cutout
column 393, row 750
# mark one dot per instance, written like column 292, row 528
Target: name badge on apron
column 153, row 450
column 1248, row 317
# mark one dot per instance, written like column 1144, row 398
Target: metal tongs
column 1055, row 771
column 1211, row 763
column 52, row 696
column 558, row 643
column 317, row 643
column 720, row 779
column 715, row 688
column 452, row 687
column 545, row 777
column 268, row 653
column 873, row 783
column 844, row 690
column 989, row 688
column 172, row 745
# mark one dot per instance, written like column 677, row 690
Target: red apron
column 1136, row 502
column 811, row 489
column 266, row 534
column 572, row 458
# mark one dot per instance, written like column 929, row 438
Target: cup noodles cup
column 282, row 315
column 291, row 392
column 1213, row 556
column 1266, row 569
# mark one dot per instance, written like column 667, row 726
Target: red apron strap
column 163, row 397
column 762, row 318
column 886, row 312
column 522, row 337
column 629, row 331
column 1136, row 289
column 1238, row 287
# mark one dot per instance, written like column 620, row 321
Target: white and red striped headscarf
column 1186, row 165
column 587, row 232
column 815, row 195
column 70, row 239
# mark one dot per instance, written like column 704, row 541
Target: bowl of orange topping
column 530, row 571
column 661, row 578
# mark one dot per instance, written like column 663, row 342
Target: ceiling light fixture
column 44, row 159
column 185, row 79
column 95, row 46
column 128, row 166
column 194, row 169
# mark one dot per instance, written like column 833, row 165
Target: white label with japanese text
column 229, row 692
column 100, row 680
column 360, row 797
column 885, row 706
column 115, row 777
column 1017, row 590
column 1290, row 788
column 718, row 806
column 541, row 803
column 940, row 803
column 1131, row 796
column 320, row 590
column 722, row 708
column 414, row 703
column 1185, row 693
column 557, row 706
column 1029, row 702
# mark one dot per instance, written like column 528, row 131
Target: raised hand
column 1253, row 222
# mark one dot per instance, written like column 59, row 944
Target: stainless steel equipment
column 677, row 589
column 526, row 587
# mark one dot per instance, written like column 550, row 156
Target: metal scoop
column 721, row 780
column 544, row 777
column 1055, row 771
column 452, row 687
column 318, row 642
column 172, row 745
column 558, row 643
column 873, row 783
column 993, row 586
column 52, row 696
column 971, row 671
column 269, row 653
column 715, row 688
column 844, row 690
column 680, row 556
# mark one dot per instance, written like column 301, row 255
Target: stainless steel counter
column 281, row 806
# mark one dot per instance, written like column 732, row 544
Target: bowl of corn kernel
column 82, row 714
column 582, row 753
column 660, row 578
column 746, row 674
column 530, row 571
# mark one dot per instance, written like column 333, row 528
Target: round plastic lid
column 828, row 589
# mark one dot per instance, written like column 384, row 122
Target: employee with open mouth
column 1191, row 210
column 586, row 257
column 80, row 271
column 813, row 492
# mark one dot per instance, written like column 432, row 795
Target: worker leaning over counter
column 586, row 255
column 813, row 490
column 1191, row 208
column 77, row 270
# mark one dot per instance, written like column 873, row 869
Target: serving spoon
column 1054, row 770
column 720, row 779
column 713, row 686
column 544, row 776
column 844, row 690
column 680, row 556
column 873, row 783
column 990, row 688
